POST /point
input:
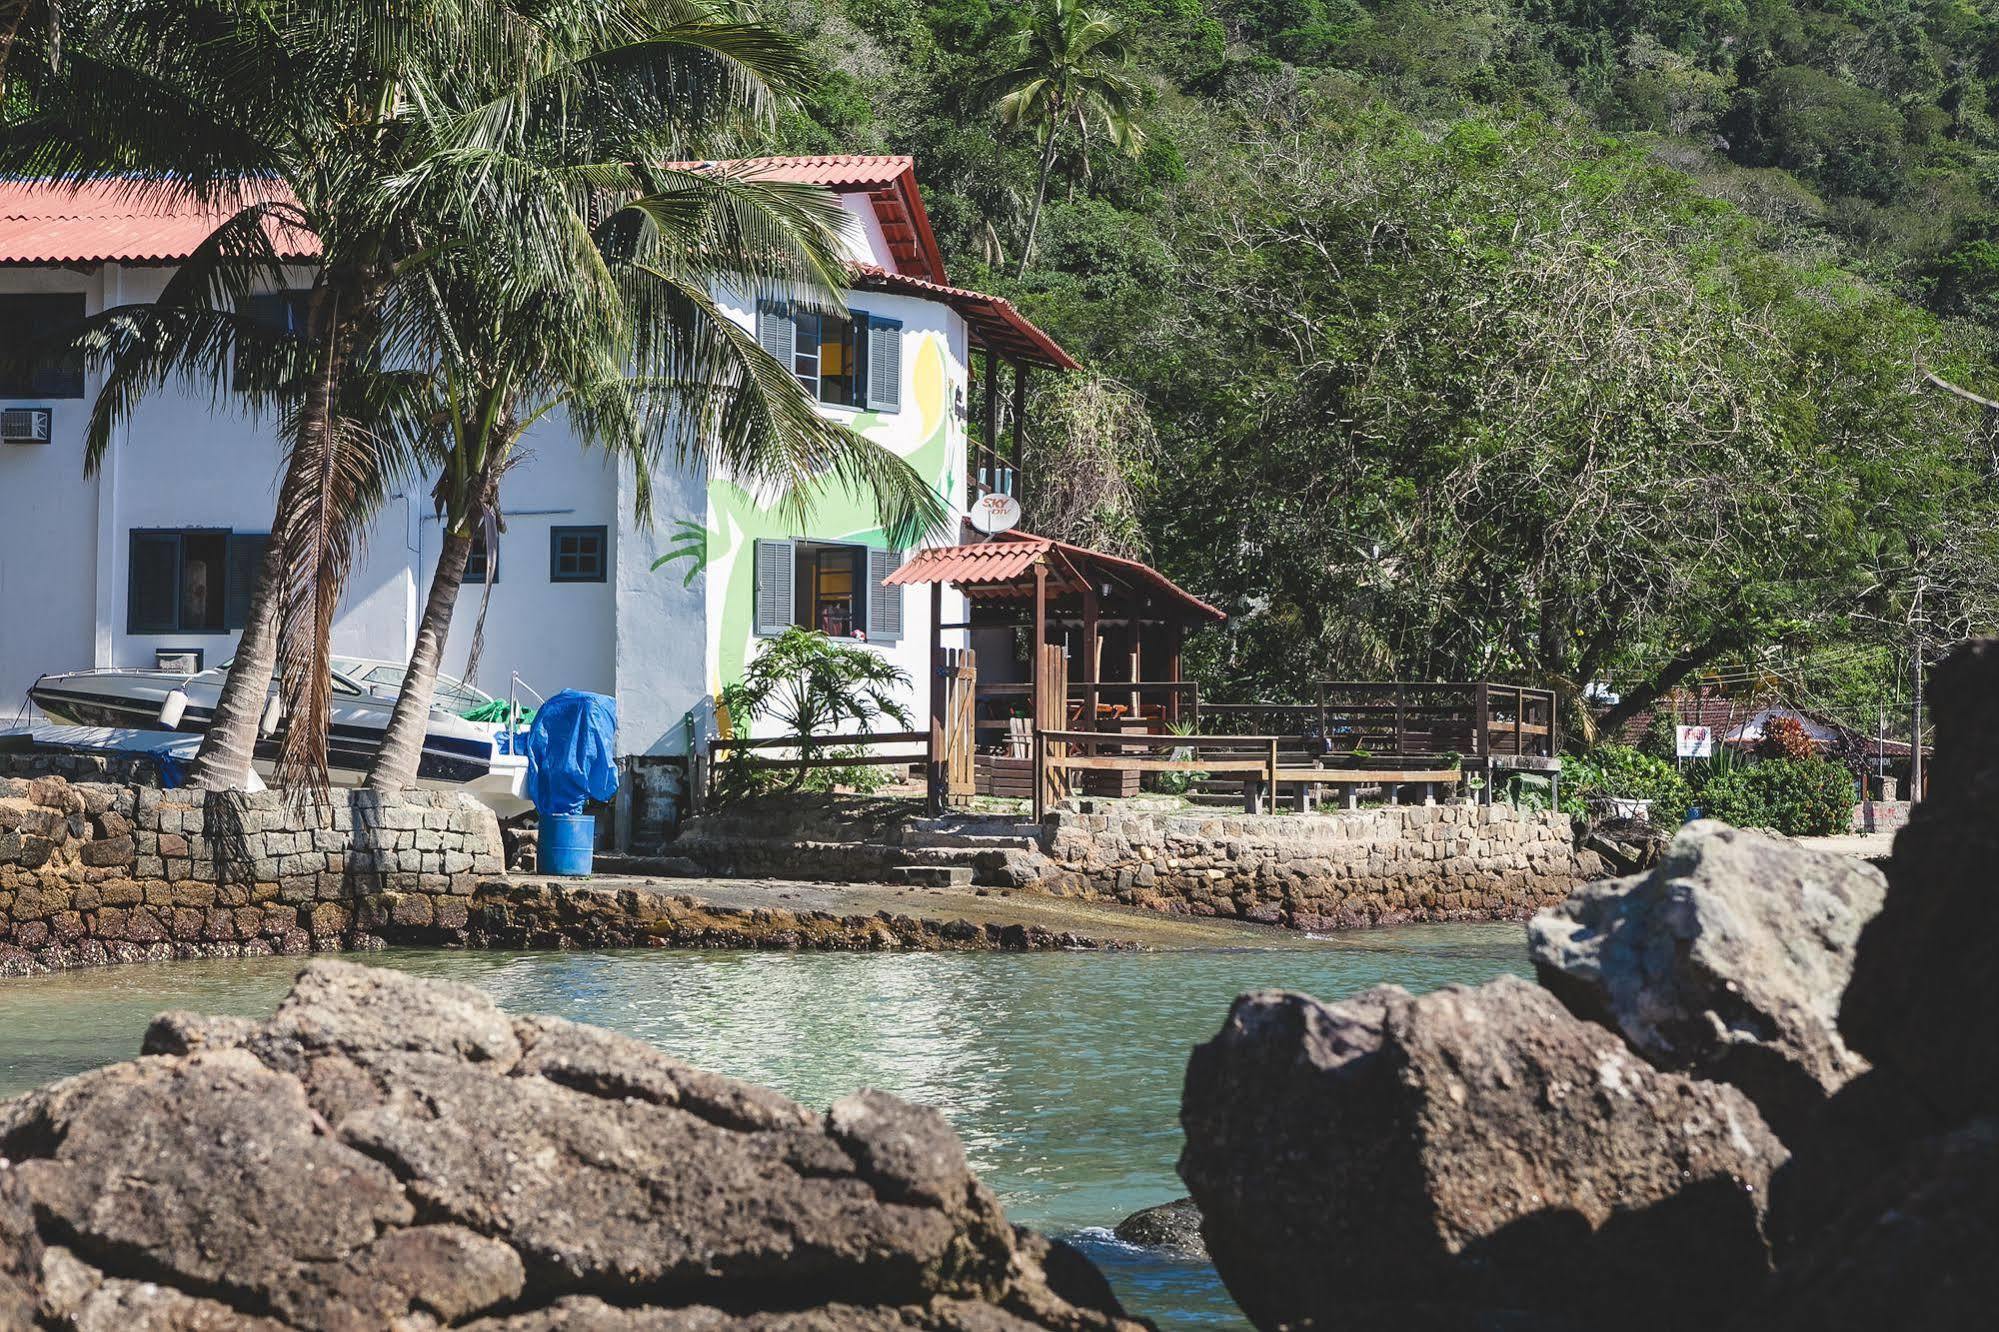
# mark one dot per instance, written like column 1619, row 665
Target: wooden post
column 1137, row 654
column 991, row 405
column 1176, row 637
column 1401, row 725
column 1040, row 774
column 939, row 779
column 1270, row 773
column 1091, row 649
column 1020, row 429
column 1481, row 718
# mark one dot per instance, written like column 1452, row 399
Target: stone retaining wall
column 1314, row 871
column 93, row 872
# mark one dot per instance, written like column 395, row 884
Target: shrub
column 1733, row 798
column 1785, row 738
column 1797, row 797
column 1621, row 772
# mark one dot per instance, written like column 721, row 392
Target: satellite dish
column 995, row 513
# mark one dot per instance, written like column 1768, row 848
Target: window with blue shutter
column 246, row 564
column 778, row 334
column 884, row 364
column 775, row 610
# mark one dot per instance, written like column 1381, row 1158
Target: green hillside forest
column 1553, row 340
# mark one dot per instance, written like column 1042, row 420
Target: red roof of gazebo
column 1002, row 569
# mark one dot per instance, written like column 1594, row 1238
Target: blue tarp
column 572, row 752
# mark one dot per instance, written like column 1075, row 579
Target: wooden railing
column 824, row 744
column 1254, row 756
column 1477, row 719
column 1113, row 703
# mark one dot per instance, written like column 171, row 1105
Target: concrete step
column 933, row 876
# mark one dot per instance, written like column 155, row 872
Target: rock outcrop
column 392, row 1152
column 1888, row 1213
column 1909, row 1247
column 1398, row 1161
column 1173, row 1227
column 1927, row 969
column 1726, row 960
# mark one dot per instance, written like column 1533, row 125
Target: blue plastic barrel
column 566, row 843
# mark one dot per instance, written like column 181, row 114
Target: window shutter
column 239, row 578
column 778, row 332
column 884, row 364
column 152, row 589
column 774, row 588
column 884, row 603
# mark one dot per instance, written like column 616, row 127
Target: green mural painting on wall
column 690, row 542
column 921, row 433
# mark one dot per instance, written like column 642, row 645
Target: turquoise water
column 1061, row 1071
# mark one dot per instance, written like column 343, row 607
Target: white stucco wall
column 48, row 527
column 662, row 644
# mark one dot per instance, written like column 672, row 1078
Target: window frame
column 50, row 380
column 879, row 611
column 862, row 327
column 294, row 304
column 807, row 552
column 488, row 562
column 175, row 623
column 600, row 531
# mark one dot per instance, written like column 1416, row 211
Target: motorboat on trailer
column 458, row 754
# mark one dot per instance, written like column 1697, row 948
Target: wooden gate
column 953, row 726
column 1051, row 713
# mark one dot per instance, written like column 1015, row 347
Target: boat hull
column 134, row 700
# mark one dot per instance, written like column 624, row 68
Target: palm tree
column 1070, row 67
column 318, row 118
column 645, row 367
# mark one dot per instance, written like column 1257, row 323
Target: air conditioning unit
column 26, row 425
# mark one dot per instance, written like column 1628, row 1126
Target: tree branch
column 1937, row 381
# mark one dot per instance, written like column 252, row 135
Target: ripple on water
column 1061, row 1071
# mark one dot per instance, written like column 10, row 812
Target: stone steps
column 933, row 875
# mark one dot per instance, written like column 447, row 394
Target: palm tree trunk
column 230, row 742
column 1040, row 197
column 395, row 767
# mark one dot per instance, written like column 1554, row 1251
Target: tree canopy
column 1554, row 340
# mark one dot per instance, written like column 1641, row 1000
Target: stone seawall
column 1314, row 872
column 93, row 872
column 1330, row 870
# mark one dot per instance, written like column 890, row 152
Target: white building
column 153, row 553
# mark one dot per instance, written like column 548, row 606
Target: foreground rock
column 1910, row 1247
column 393, row 1152
column 1889, row 1212
column 1727, row 960
column 1927, row 969
column 1400, row 1162
column 1173, row 1228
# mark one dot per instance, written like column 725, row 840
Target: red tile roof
column 993, row 318
column 844, row 171
column 126, row 222
column 42, row 222
column 996, row 568
column 890, row 184
column 988, row 562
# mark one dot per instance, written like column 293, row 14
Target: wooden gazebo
column 1071, row 596
column 1105, row 636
